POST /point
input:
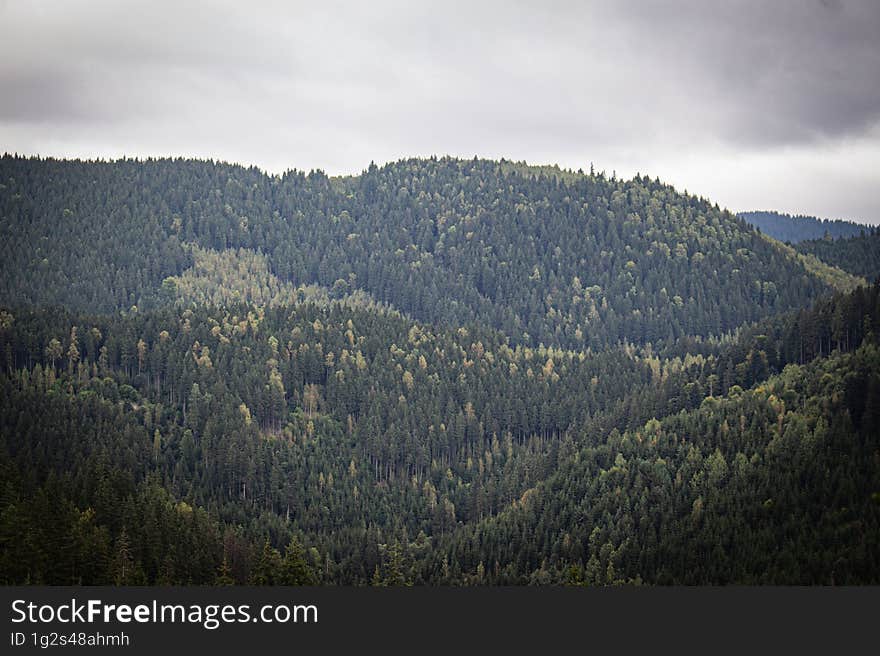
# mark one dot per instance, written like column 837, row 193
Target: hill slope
column 794, row 229
column 572, row 260
column 386, row 445
column 860, row 255
column 439, row 371
column 773, row 485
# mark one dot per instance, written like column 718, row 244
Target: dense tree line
column 778, row 484
column 439, row 371
column 394, row 451
column 795, row 229
column 565, row 259
column 859, row 256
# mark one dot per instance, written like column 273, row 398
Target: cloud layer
column 757, row 105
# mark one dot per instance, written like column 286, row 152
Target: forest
column 859, row 256
column 438, row 372
column 795, row 229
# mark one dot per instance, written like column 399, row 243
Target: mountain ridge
column 441, row 372
column 799, row 227
column 554, row 257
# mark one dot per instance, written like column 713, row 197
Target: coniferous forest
column 795, row 229
column 437, row 372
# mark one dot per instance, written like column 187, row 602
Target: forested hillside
column 438, row 372
column 795, row 229
column 860, row 256
column 559, row 258
column 777, row 484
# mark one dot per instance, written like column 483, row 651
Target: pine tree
column 295, row 570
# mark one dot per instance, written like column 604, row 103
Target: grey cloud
column 777, row 72
column 37, row 97
column 335, row 85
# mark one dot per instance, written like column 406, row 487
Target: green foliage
column 767, row 486
column 859, row 256
column 295, row 569
column 547, row 256
column 795, row 229
column 355, row 456
column 834, row 277
column 237, row 276
column 441, row 371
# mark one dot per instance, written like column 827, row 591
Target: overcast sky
column 754, row 104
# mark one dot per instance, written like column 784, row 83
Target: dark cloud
column 788, row 72
column 38, row 97
column 676, row 89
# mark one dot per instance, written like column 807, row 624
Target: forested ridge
column 795, row 229
column 563, row 259
column 848, row 246
column 438, row 372
column 859, row 256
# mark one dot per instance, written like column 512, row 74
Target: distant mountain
column 794, row 229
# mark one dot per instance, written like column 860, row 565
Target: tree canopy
column 437, row 372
